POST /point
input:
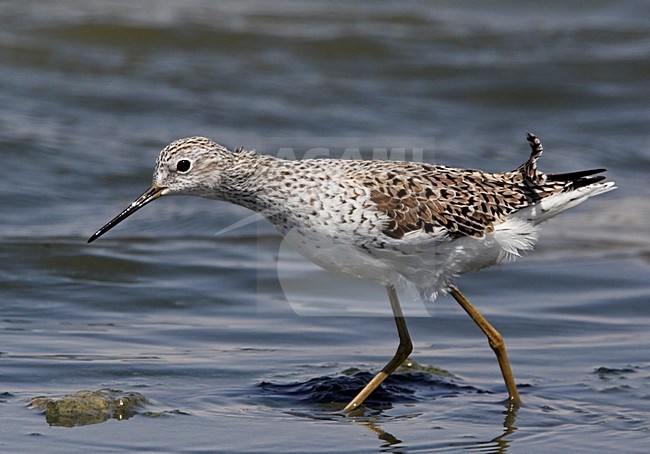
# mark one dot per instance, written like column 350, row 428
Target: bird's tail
column 569, row 181
column 556, row 192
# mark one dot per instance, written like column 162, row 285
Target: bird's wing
column 426, row 198
column 463, row 202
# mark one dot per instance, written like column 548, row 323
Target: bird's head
column 191, row 166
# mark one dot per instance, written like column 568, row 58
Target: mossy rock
column 86, row 407
column 410, row 366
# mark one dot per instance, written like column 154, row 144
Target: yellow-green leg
column 404, row 349
column 496, row 343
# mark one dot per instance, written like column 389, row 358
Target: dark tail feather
column 571, row 176
column 575, row 180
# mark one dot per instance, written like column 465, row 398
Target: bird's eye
column 183, row 165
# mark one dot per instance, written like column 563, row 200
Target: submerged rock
column 86, row 407
column 411, row 366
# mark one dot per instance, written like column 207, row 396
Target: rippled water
column 239, row 344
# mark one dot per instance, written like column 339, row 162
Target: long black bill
column 149, row 195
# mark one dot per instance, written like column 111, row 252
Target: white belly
column 428, row 263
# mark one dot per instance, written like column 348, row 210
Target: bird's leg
column 495, row 340
column 404, row 349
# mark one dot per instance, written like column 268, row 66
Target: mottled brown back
column 421, row 197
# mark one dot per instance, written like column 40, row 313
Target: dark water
column 238, row 343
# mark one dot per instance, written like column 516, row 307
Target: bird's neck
column 252, row 181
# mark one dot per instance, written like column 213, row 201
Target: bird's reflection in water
column 508, row 428
column 412, row 384
column 391, row 443
column 388, row 438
